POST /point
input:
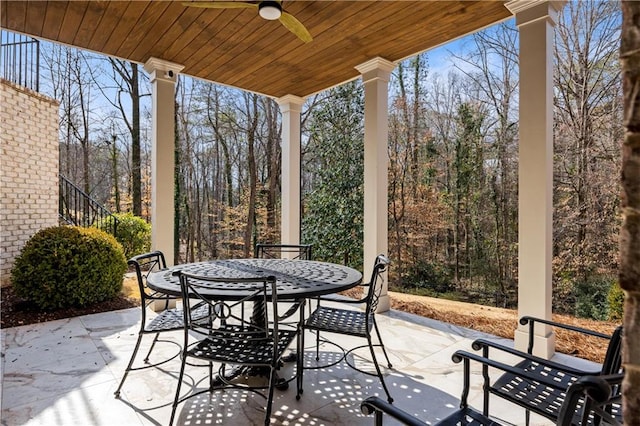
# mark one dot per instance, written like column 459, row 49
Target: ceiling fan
column 270, row 10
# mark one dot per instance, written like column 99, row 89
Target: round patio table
column 295, row 279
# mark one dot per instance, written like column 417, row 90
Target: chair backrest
column 283, row 251
column 612, row 363
column 374, row 287
column 144, row 264
column 593, row 400
column 226, row 315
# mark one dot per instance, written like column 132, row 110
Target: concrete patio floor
column 65, row 373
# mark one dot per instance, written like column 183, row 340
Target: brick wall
column 28, row 169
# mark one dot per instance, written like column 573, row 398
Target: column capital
column 527, row 11
column 290, row 103
column 162, row 70
column 376, row 68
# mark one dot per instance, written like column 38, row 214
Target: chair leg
column 177, row 398
column 384, row 351
column 210, row 376
column 272, row 385
column 126, row 371
column 300, row 362
column 380, row 376
column 317, row 344
column 155, row 339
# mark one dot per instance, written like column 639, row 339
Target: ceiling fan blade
column 220, row 4
column 295, row 26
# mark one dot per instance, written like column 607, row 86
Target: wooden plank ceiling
column 238, row 48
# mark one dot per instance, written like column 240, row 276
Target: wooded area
column 453, row 161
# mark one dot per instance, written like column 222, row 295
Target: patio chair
column 285, row 251
column 542, row 390
column 588, row 401
column 228, row 337
column 168, row 319
column 356, row 323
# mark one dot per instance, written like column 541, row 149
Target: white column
column 536, row 22
column 290, row 106
column 163, row 76
column 375, row 76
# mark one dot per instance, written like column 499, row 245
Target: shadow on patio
column 65, row 372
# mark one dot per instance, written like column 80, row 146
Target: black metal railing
column 75, row 207
column 20, row 60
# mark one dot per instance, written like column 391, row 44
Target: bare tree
column 273, row 165
column 410, row 162
column 127, row 76
column 443, row 99
column 77, row 114
column 71, row 86
column 587, row 111
column 492, row 68
column 251, row 102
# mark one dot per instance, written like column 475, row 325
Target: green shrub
column 616, row 302
column 132, row 232
column 67, row 266
column 428, row 276
column 591, row 296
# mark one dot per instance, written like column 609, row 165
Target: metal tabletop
column 296, row 279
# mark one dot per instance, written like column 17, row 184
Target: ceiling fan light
column 270, row 10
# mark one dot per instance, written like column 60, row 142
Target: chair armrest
column 597, row 389
column 484, row 344
column 532, row 320
column 377, row 406
column 612, row 360
column 156, row 295
column 460, row 355
column 337, row 300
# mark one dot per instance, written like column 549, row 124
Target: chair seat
column 247, row 352
column 343, row 321
column 172, row 319
column 467, row 416
column 535, row 396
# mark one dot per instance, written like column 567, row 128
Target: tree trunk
column 136, row 172
column 253, row 176
column 273, row 165
column 176, row 184
column 630, row 233
column 116, row 176
column 129, row 74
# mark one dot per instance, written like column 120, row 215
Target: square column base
column 159, row 305
column 543, row 346
column 384, row 303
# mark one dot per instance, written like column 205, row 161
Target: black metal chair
column 543, row 389
column 285, row 251
column 228, row 337
column 168, row 319
column 587, row 401
column 351, row 322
